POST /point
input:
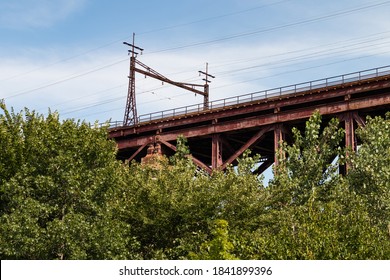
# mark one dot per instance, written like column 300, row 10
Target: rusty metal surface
column 218, row 136
column 320, row 85
column 258, row 121
column 131, row 118
column 259, row 106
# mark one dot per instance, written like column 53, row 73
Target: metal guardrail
column 260, row 95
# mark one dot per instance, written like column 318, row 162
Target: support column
column 350, row 132
column 349, row 119
column 216, row 151
column 278, row 138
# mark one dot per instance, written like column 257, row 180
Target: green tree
column 170, row 208
column 308, row 171
column 55, row 180
column 316, row 212
column 219, row 247
column 369, row 178
column 64, row 195
column 370, row 173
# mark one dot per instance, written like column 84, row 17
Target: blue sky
column 67, row 55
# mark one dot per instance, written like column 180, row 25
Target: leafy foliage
column 370, row 175
column 318, row 214
column 170, row 209
column 64, row 195
column 219, row 247
column 54, row 181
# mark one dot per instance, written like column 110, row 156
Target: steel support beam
column 216, row 151
column 264, row 166
column 255, row 138
column 278, row 139
column 359, row 120
column 349, row 136
column 350, row 132
column 138, row 151
column 261, row 105
column 195, row 160
column 349, row 120
column 259, row 121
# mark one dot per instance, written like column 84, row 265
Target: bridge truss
column 219, row 134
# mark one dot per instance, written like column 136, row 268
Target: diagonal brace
column 195, row 160
column 246, row 146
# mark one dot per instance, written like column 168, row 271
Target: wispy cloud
column 36, row 13
column 93, row 85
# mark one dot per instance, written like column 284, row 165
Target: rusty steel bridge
column 218, row 135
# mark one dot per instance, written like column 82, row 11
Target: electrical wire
column 142, row 33
column 104, row 102
column 209, row 42
column 301, row 58
column 229, row 37
column 212, row 18
column 272, row 28
column 16, row 94
column 304, row 57
column 302, row 69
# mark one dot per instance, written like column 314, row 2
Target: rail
column 264, row 94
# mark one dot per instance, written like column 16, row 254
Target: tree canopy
column 64, row 195
column 55, row 178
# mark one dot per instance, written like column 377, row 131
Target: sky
column 68, row 55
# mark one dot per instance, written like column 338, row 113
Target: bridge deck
column 305, row 88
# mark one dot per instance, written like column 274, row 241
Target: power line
column 328, row 16
column 96, row 104
column 272, row 28
column 142, row 33
column 64, row 80
column 271, row 63
column 249, row 80
column 314, row 54
column 302, row 69
column 61, row 61
column 357, row 40
column 212, row 18
column 85, row 96
column 309, row 56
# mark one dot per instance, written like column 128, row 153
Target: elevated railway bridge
column 258, row 121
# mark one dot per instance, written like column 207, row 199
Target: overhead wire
column 234, row 36
column 212, row 18
column 272, row 28
column 307, row 56
column 141, row 33
column 85, row 96
column 62, row 60
column 248, row 80
column 209, row 42
column 23, row 92
column 321, row 47
column 303, row 69
column 301, row 58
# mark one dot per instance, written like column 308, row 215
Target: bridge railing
column 259, row 95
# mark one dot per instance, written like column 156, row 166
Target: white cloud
column 36, row 13
column 39, row 83
column 239, row 69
